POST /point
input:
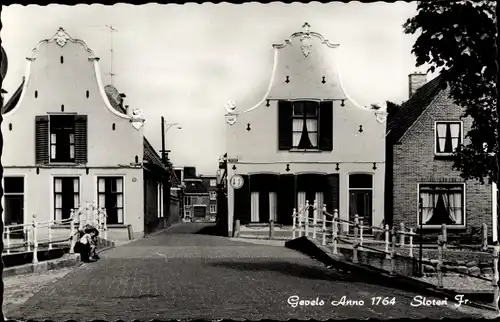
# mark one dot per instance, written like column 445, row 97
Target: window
column 448, row 137
column 213, row 183
column 213, row 209
column 110, row 196
column 187, row 201
column 188, row 214
column 62, row 138
column 66, row 196
column 441, row 204
column 213, row 195
column 305, row 125
column 14, row 200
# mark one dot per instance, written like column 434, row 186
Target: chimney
column 415, row 81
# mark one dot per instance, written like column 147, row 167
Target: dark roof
column 14, row 99
column 195, row 186
column 413, row 108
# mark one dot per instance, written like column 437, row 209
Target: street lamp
column 164, row 128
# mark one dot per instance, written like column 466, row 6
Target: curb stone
column 67, row 260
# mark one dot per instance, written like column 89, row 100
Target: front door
column 360, row 204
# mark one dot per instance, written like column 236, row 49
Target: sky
column 185, row 62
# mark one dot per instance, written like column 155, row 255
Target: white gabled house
column 305, row 140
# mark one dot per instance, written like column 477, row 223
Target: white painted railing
column 302, row 221
column 32, row 232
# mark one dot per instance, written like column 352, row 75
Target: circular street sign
column 236, row 181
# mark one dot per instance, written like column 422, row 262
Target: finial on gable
column 306, row 27
column 61, row 37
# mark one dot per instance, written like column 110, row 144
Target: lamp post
column 164, row 128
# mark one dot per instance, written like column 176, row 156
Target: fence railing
column 324, row 225
column 40, row 233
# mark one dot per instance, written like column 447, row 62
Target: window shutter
column 242, row 202
column 326, row 126
column 285, row 129
column 286, row 198
column 42, row 139
column 81, row 139
column 332, row 192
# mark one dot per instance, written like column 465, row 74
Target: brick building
column 421, row 139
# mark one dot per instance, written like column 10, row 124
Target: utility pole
column 163, row 158
column 111, row 51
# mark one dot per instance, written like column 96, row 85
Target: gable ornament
column 137, row 118
column 381, row 117
column 305, row 40
column 61, row 37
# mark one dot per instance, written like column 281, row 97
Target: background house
column 305, row 140
column 210, row 184
column 421, row 139
column 80, row 144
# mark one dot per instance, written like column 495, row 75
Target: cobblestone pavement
column 180, row 274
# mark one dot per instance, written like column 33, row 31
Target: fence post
column 444, row 233
column 306, row 217
column 72, row 232
column 496, row 297
column 7, row 231
column 355, row 242
column 411, row 242
column 315, row 219
column 294, row 220
column 49, row 226
column 236, row 232
column 105, row 223
column 485, row 237
column 35, row 241
column 335, row 228
column 28, row 241
column 401, row 235
column 386, row 230
column 440, row 261
column 299, row 218
column 80, row 218
column 361, row 228
column 393, row 251
column 323, row 228
column 271, row 229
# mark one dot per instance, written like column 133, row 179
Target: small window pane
column 363, row 181
column 119, row 185
column 101, row 184
column 14, row 184
column 53, row 138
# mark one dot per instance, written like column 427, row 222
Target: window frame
column 305, row 117
column 53, row 145
column 54, row 203
column 435, row 136
column 213, row 195
column 214, row 208
column 213, row 182
column 98, row 193
column 187, row 201
column 464, row 206
column 14, row 194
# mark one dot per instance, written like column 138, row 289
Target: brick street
column 181, row 273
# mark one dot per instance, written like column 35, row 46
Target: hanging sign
column 236, row 181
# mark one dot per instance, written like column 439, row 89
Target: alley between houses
column 186, row 273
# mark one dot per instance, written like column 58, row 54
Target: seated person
column 85, row 246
